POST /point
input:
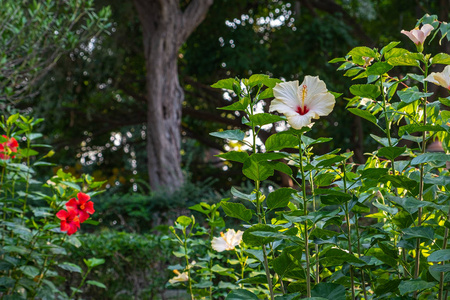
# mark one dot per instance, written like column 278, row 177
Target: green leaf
column 364, row 114
column 379, row 68
column 281, row 140
column 411, row 128
column 73, row 241
column 338, row 59
column 30, row 271
column 96, row 283
column 281, row 167
column 238, row 156
column 414, row 285
column 238, row 194
column 234, row 135
column 373, row 173
column 184, row 221
column 237, row 210
column 439, row 256
column 309, row 141
column 391, row 153
column 416, row 77
column 365, row 90
column 386, row 286
column 257, row 79
column 336, row 257
column 401, row 181
column 240, row 105
column 436, row 158
column 253, row 240
column 257, row 170
column 389, row 47
column 384, row 141
column 358, row 53
column 445, row 101
column 7, row 281
column 28, row 152
column 16, row 249
column 410, row 204
column 241, row 295
column 72, row 185
column 70, row 267
column 264, row 119
column 441, row 58
column 267, row 93
column 412, row 94
column 279, row 198
column 402, row 57
column 324, row 179
column 225, row 84
column 331, row 291
column 93, row 262
column 419, row 232
column 284, row 263
column 353, row 72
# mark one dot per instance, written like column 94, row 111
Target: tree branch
column 193, row 15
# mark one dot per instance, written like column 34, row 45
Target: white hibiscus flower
column 301, row 103
column 227, row 241
column 442, row 78
column 181, row 277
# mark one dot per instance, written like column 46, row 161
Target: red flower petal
column 82, row 197
column 83, row 216
column 72, row 204
column 62, row 214
column 89, row 207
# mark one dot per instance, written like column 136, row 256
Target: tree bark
column 165, row 28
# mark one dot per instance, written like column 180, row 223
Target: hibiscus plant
column 37, row 219
column 308, row 240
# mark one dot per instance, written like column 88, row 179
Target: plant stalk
column 305, row 210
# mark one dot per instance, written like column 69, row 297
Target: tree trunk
column 165, row 28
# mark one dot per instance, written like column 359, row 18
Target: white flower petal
column 182, row 277
column 281, row 107
column 426, row 29
column 322, row 104
column 411, row 36
column 314, row 86
column 420, row 36
column 311, row 100
column 286, row 92
column 219, row 244
column 441, row 78
column 298, row 121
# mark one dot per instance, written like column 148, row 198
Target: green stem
column 259, row 211
column 27, row 180
column 387, row 121
column 316, row 247
column 81, row 283
column 305, row 211
column 349, row 238
column 45, row 269
column 424, row 145
column 188, row 269
column 363, row 283
column 444, row 246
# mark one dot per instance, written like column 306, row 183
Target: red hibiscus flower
column 82, row 206
column 70, row 221
column 8, row 147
